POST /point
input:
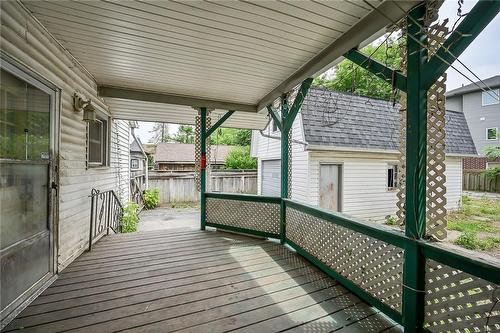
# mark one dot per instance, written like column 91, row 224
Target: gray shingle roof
column 492, row 82
column 337, row 119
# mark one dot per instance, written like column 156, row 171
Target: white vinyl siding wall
column 364, row 183
column 269, row 149
column 24, row 39
column 364, row 192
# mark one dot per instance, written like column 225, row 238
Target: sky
column 482, row 57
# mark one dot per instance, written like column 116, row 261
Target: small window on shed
column 97, row 143
column 392, row 176
column 134, row 163
column 490, row 97
column 492, row 133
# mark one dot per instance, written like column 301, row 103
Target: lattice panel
column 259, row 216
column 436, row 148
column 460, row 302
column 373, row 265
column 290, row 153
column 401, row 194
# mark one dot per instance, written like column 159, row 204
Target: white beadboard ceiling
column 237, row 55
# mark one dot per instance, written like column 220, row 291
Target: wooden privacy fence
column 477, row 181
column 181, row 186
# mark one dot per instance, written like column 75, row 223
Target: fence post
column 416, row 177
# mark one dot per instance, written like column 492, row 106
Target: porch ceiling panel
column 179, row 114
column 242, row 52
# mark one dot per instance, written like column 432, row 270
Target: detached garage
column 271, row 178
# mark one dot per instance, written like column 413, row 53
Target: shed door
column 26, row 157
column 330, row 186
column 271, row 178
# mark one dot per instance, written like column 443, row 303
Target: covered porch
column 309, row 269
column 195, row 281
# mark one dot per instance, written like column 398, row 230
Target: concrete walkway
column 162, row 218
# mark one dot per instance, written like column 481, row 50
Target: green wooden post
column 284, row 166
column 203, row 165
column 416, row 161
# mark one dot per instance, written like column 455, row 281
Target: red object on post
column 203, row 162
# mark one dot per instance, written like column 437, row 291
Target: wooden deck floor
column 194, row 281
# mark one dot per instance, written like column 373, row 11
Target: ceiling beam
column 157, row 97
column 358, row 34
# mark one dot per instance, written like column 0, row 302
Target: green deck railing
column 460, row 292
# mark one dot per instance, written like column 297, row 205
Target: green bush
column 239, row 158
column 391, row 220
column 130, row 217
column 151, row 198
column 492, row 173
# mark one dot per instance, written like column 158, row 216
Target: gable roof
column 172, row 152
column 492, row 82
column 136, row 145
column 331, row 118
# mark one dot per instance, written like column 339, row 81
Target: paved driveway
column 162, row 218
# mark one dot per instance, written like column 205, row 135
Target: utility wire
column 489, row 92
column 422, row 29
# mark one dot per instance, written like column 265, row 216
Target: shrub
column 492, row 173
column 239, row 158
column 151, row 198
column 130, row 217
column 391, row 220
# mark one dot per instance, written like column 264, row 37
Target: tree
column 239, row 158
column 160, row 133
column 492, row 152
column 350, row 77
column 232, row 137
column 185, row 134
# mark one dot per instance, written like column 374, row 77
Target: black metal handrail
column 106, row 213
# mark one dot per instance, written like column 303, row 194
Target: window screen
column 97, row 142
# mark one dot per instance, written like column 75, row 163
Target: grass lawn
column 478, row 222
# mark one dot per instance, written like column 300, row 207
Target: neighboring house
column 345, row 155
column 171, row 156
column 138, row 166
column 482, row 112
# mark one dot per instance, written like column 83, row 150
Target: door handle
column 54, row 186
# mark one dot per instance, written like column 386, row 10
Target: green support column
column 203, row 165
column 284, row 165
column 416, row 161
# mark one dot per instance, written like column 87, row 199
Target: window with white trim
column 492, row 133
column 490, row 97
column 134, row 163
column 392, row 176
column 97, row 141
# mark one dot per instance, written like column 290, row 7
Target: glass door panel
column 25, row 161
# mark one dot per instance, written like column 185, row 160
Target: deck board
column 194, row 281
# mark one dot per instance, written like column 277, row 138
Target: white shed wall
column 364, row 182
column 270, row 149
column 24, row 39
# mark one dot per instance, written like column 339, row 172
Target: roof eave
column 362, row 33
